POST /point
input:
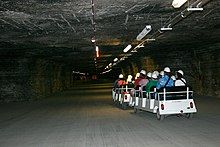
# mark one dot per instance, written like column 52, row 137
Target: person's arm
column 148, row 87
column 158, row 84
column 161, row 83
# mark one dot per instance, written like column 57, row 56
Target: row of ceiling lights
column 147, row 29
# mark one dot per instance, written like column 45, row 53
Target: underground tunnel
column 60, row 58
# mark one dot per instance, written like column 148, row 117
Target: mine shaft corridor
column 85, row 116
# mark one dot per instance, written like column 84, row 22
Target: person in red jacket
column 119, row 82
column 141, row 81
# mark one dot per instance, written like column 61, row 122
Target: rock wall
column 25, row 78
column 201, row 65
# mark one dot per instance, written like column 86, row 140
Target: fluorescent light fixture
column 194, row 9
column 97, row 51
column 151, row 39
column 106, row 71
column 128, row 55
column 123, row 58
column 134, row 51
column 93, row 40
column 144, row 32
column 127, row 48
column 116, row 59
column 166, row 29
column 77, row 72
column 97, row 48
column 178, row 3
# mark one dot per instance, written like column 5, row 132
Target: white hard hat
column 137, row 74
column 173, row 78
column 149, row 74
column 129, row 76
column 129, row 79
column 162, row 73
column 166, row 69
column 154, row 75
column 156, row 72
column 143, row 72
column 121, row 76
column 180, row 71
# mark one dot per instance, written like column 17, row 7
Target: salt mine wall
column 201, row 66
column 28, row 78
column 24, row 76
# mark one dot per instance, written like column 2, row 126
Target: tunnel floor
column 86, row 116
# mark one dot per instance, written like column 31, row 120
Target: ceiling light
column 97, row 51
column 127, row 48
column 194, row 9
column 166, row 29
column 93, row 40
column 134, row 51
column 123, row 58
column 116, row 59
column 150, row 39
column 144, row 32
column 178, row 3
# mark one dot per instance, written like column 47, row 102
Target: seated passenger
column 119, row 82
column 141, row 81
column 180, row 81
column 166, row 80
column 152, row 83
column 149, row 75
column 137, row 75
column 156, row 72
column 161, row 74
column 130, row 83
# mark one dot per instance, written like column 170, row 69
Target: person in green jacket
column 152, row 82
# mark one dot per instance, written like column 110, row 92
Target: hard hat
column 156, row 72
column 129, row 76
column 143, row 72
column 121, row 76
column 166, row 69
column 129, row 79
column 137, row 75
column 154, row 75
column 149, row 74
column 162, row 73
column 173, row 78
column 180, row 71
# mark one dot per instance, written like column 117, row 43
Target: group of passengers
column 145, row 81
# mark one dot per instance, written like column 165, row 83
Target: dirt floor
column 86, row 117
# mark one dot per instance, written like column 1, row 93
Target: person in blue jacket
column 166, row 80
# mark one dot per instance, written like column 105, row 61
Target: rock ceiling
column 63, row 28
